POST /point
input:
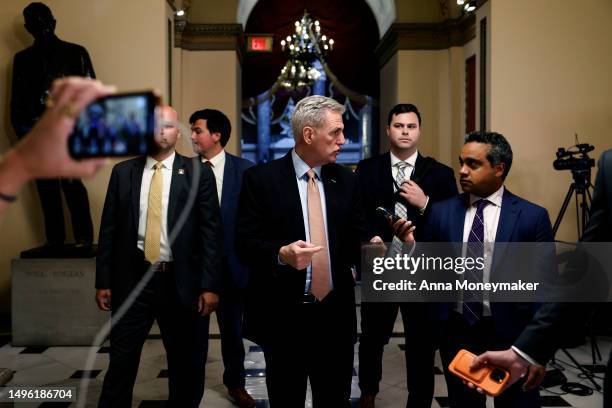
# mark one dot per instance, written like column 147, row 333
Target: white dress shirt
column 165, row 253
column 301, row 168
column 490, row 216
column 218, row 167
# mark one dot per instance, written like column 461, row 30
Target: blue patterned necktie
column 472, row 304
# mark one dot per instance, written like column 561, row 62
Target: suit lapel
column 507, row 218
column 179, row 172
column 288, row 184
column 136, row 179
column 229, row 181
column 418, row 166
column 457, row 217
column 385, row 175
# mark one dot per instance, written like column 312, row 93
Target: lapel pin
column 181, row 171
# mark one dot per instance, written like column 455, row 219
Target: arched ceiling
column 386, row 12
column 349, row 22
column 383, row 11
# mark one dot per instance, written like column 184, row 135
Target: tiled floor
column 65, row 365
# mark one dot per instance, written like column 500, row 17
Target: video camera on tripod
column 577, row 160
column 566, row 159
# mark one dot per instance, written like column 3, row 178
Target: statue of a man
column 34, row 70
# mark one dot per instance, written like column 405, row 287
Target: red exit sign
column 259, row 43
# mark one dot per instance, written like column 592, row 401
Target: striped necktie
column 400, row 208
column 472, row 304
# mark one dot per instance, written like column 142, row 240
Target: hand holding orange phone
column 490, row 379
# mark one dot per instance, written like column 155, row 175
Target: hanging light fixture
column 468, row 5
column 306, row 45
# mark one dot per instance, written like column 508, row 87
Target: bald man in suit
column 145, row 198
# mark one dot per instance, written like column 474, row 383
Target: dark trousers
column 229, row 317
column 477, row 339
column 50, row 193
column 184, row 334
column 420, row 332
column 317, row 347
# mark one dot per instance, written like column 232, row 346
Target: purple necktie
column 472, row 304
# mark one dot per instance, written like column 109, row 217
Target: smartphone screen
column 116, row 125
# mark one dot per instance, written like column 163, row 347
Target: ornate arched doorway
column 349, row 74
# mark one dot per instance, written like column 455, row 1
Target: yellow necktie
column 320, row 262
column 152, row 240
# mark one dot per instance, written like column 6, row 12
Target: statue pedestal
column 60, row 251
column 52, row 302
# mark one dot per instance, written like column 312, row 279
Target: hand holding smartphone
column 490, row 379
column 114, row 126
column 387, row 214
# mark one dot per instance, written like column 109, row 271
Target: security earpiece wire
column 118, row 315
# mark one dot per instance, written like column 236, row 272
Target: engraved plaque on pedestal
column 53, row 302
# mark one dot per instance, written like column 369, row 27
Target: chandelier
column 468, row 5
column 306, row 45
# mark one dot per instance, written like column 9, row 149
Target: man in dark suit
column 486, row 212
column 300, row 225
column 210, row 131
column 406, row 183
column 537, row 344
column 146, row 196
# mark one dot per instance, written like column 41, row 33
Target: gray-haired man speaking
column 299, row 231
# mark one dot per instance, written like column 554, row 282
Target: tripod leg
column 588, row 191
column 578, row 217
column 594, row 346
column 566, row 201
column 581, row 368
column 584, row 209
column 595, row 353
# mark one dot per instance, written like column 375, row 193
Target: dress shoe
column 241, row 398
column 367, row 401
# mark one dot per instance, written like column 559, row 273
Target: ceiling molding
column 426, row 36
column 207, row 37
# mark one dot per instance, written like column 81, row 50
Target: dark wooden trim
column 206, row 37
column 483, row 74
column 171, row 4
column 426, row 36
column 169, row 49
column 470, row 94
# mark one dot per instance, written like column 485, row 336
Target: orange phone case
column 482, row 378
